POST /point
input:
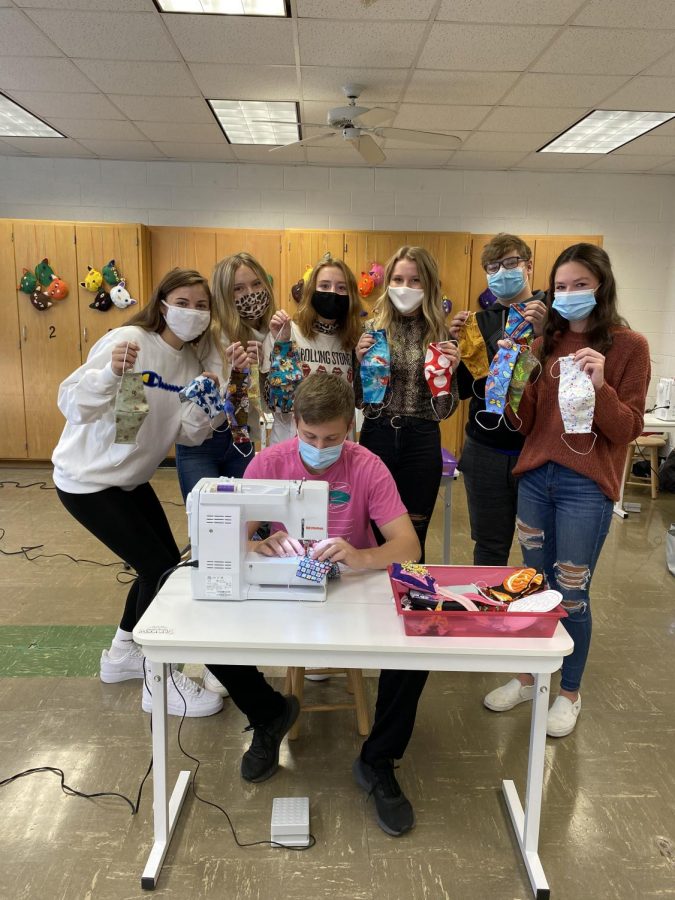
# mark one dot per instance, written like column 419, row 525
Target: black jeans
column 397, row 697
column 134, row 526
column 412, row 453
column 492, row 496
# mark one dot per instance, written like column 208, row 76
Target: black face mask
column 330, row 305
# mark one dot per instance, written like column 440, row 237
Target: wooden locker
column 548, row 248
column 97, row 245
column 12, row 415
column 188, row 248
column 265, row 246
column 50, row 340
column 302, row 249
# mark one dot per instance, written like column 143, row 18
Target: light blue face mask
column 574, row 305
column 507, row 283
column 319, row 458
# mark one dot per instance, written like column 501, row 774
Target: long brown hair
column 151, row 317
column 227, row 325
column 386, row 314
column 350, row 328
column 604, row 317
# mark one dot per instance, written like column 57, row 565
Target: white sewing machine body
column 665, row 400
column 219, row 511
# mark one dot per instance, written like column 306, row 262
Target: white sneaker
column 123, row 667
column 508, row 695
column 212, row 684
column 562, row 716
column 183, row 697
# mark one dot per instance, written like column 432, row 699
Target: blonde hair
column 226, row 323
column 387, row 316
column 350, row 328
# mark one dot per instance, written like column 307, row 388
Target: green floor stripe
column 52, row 650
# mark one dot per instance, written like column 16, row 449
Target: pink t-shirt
column 361, row 488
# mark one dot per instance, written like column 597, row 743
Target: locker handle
column 24, row 333
column 85, row 334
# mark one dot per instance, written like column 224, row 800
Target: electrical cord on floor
column 24, row 551
column 40, row 484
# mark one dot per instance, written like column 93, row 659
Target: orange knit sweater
column 618, row 419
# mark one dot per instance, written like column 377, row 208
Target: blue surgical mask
column 507, row 283
column 574, row 305
column 319, row 458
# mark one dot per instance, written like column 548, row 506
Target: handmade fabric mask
column 313, row 570
column 517, row 326
column 524, row 366
column 576, row 399
column 472, row 348
column 131, row 408
column 499, row 379
column 252, row 306
column 325, row 327
column 202, row 390
column 254, row 385
column 186, row 324
column 330, row 305
column 438, row 371
column 237, row 406
column 283, row 377
column 376, row 368
column 405, row 299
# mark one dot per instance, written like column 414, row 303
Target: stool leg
column 654, row 462
column 297, row 689
column 630, row 450
column 288, row 681
column 362, row 717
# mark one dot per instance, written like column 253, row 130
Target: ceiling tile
column 499, row 160
column 488, row 48
column 173, row 133
column 625, row 14
column 114, row 5
column 233, row 38
column 335, row 157
column 325, row 83
column 668, row 169
column 650, row 94
column 145, row 78
column 665, row 66
column 252, row 153
column 19, row 37
column 557, row 162
column 97, row 129
column 500, row 141
column 439, row 118
column 526, row 12
column 106, row 35
column 562, row 90
column 181, row 150
column 651, row 144
column 356, row 9
column 391, row 144
column 429, row 86
column 529, row 119
column 123, row 149
column 392, row 44
column 7, row 149
column 181, row 110
column 42, row 74
column 67, row 106
column 317, row 113
column 615, row 163
column 49, row 146
column 604, row 51
column 224, row 82
column 418, row 158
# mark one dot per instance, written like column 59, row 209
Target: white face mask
column 186, row 324
column 405, row 299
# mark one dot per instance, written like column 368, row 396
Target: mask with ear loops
column 576, row 399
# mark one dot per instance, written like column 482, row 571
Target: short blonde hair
column 322, row 397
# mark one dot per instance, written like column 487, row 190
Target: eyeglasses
column 509, row 263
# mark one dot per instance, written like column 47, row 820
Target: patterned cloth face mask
column 525, row 365
column 472, row 348
column 131, row 406
column 203, row 391
column 438, row 374
column 252, row 306
column 283, row 377
column 236, row 410
column 376, row 368
column 517, row 326
column 497, row 384
column 576, row 399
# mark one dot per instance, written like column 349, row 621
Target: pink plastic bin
column 474, row 624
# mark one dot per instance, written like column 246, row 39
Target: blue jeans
column 214, row 458
column 563, row 520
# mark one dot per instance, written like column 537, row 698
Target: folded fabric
column 313, row 570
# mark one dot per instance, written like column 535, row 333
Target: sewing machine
column 219, row 512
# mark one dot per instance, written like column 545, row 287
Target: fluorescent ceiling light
column 15, row 121
column 257, row 121
column 603, row 130
column 226, row 7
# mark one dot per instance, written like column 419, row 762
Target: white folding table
column 357, row 627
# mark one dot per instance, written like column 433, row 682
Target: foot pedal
column 290, row 821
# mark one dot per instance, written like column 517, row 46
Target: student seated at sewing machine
column 361, row 490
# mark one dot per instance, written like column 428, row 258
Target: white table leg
column 165, row 811
column 526, row 823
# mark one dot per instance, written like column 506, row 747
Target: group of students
column 562, row 506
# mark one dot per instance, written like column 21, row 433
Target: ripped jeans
column 563, row 520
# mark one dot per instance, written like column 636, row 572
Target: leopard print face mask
column 252, row 306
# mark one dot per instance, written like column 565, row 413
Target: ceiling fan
column 357, row 124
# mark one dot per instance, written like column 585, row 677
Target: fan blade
column 375, row 116
column 447, row 141
column 366, row 147
column 310, row 140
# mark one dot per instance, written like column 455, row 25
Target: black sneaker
column 394, row 812
column 261, row 760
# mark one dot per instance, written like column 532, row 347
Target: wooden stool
column 295, row 684
column 652, row 443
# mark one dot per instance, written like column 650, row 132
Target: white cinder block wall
column 635, row 213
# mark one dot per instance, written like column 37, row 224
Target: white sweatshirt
column 87, row 459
